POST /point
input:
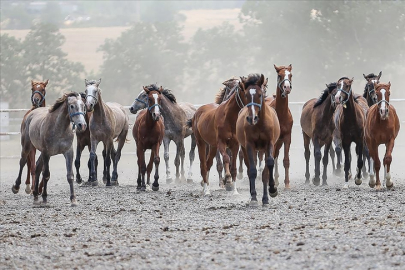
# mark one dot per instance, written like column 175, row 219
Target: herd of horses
column 243, row 120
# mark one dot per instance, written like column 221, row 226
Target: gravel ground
column 177, row 228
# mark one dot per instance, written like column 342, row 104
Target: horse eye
column 71, row 106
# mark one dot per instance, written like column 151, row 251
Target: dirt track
column 307, row 227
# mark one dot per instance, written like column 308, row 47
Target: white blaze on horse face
column 253, row 93
column 155, row 96
column 383, row 110
column 287, row 82
column 91, row 94
column 38, row 86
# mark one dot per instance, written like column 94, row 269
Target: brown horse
column 317, row 124
column 280, row 104
column 108, row 122
column 257, row 128
column 382, row 127
column 215, row 126
column 38, row 100
column 148, row 132
column 350, row 125
column 49, row 131
column 369, row 90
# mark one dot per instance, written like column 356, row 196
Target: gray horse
column 108, row 122
column 49, row 131
column 175, row 116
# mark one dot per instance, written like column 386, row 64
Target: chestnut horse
column 382, row 127
column 50, row 131
column 108, row 122
column 317, row 124
column 38, row 93
column 257, row 128
column 280, row 104
column 349, row 121
column 215, row 126
column 148, row 132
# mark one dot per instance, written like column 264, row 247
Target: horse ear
column 276, row 67
column 379, row 75
column 86, row 82
column 161, row 89
column 242, row 83
column 262, row 79
column 389, row 84
column 98, row 82
column 351, row 80
column 365, row 76
column 46, row 82
column 32, row 83
column 265, row 82
column 146, row 89
column 289, row 67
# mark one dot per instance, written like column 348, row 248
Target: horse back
column 307, row 115
column 203, row 122
column 119, row 116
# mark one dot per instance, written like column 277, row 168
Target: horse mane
column 61, row 100
column 325, row 94
column 152, row 87
column 90, row 82
column 370, row 76
column 168, row 93
column 220, row 96
column 344, row 78
column 252, row 79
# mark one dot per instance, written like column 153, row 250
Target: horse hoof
column 28, row 189
column 235, row 192
column 346, row 186
column 229, row 187
column 307, row 182
column 273, row 195
column 104, row 180
column 169, row 180
column 287, row 187
column 155, row 188
column 371, row 184
column 358, row 181
column 36, row 201
column 390, row 186
column 253, row 204
column 207, row 193
column 324, row 184
column 266, row 204
column 240, row 176
column 94, row 183
column 190, row 181
column 114, row 183
column 14, row 189
column 143, row 188
column 316, row 181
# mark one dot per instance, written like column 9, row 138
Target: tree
column 145, row 54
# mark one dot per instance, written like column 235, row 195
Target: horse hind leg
column 359, row 152
column 166, row 144
column 117, row 157
column 191, row 157
column 387, row 164
column 38, row 169
column 332, row 157
column 240, row 170
column 220, row 169
column 307, row 155
column 79, row 150
column 366, row 156
column 149, row 169
column 325, row 164
column 156, row 160
column 23, row 160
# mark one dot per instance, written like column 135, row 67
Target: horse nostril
column 256, row 118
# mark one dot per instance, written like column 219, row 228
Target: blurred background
column 191, row 47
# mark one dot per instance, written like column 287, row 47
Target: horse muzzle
column 384, row 114
column 81, row 127
column 89, row 107
column 155, row 116
column 133, row 109
column 252, row 120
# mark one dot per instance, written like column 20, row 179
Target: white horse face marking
column 91, row 96
column 155, row 96
column 286, row 77
column 38, row 86
column 252, row 92
column 383, row 108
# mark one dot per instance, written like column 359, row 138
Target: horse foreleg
column 46, row 174
column 240, row 171
column 220, row 168
column 387, row 163
column 234, row 152
column 38, row 170
column 182, row 157
column 307, row 154
column 166, row 143
column 104, row 154
column 149, row 168
column 79, row 150
column 325, row 163
column 359, row 151
column 191, row 157
column 226, row 160
column 249, row 153
column 286, row 160
column 93, row 173
column 31, row 164
column 366, row 156
column 156, row 160
column 318, row 156
column 70, row 176
column 269, row 168
column 277, row 147
column 346, row 150
column 332, row 157
column 142, row 166
column 338, row 151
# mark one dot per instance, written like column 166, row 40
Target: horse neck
column 100, row 108
column 171, row 111
column 232, row 107
column 62, row 121
column 327, row 110
column 350, row 109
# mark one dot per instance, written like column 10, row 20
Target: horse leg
column 318, row 156
column 346, row 150
column 260, row 155
column 156, row 160
column 220, row 168
column 366, row 156
column 269, row 168
column 210, row 158
column 142, row 167
column 93, row 173
column 46, row 174
column 149, row 168
column 240, row 171
column 31, row 163
column 325, row 163
column 23, row 160
column 113, row 156
column 104, row 153
column 38, row 170
column 249, row 152
column 166, row 143
column 226, row 160
column 387, row 163
column 79, row 150
column 373, row 151
column 27, row 180
column 191, row 156
column 70, row 176
column 109, row 147
column 234, row 152
column 182, row 157
column 307, row 154
column 286, row 160
column 121, row 141
column 332, row 157
column 359, row 151
column 202, row 153
column 279, row 143
column 177, row 160
column 338, row 150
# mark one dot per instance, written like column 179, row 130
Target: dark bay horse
column 175, row 117
column 369, row 91
column 382, row 127
column 215, row 125
column 257, row 128
column 49, row 131
column 349, row 121
column 317, row 124
column 148, row 132
column 38, row 93
column 107, row 122
column 280, row 104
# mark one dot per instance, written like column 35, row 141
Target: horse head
column 383, row 94
column 369, row 90
column 284, row 77
column 38, row 93
column 344, row 91
column 141, row 102
column 77, row 111
column 92, row 93
column 154, row 100
column 332, row 90
column 254, row 90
